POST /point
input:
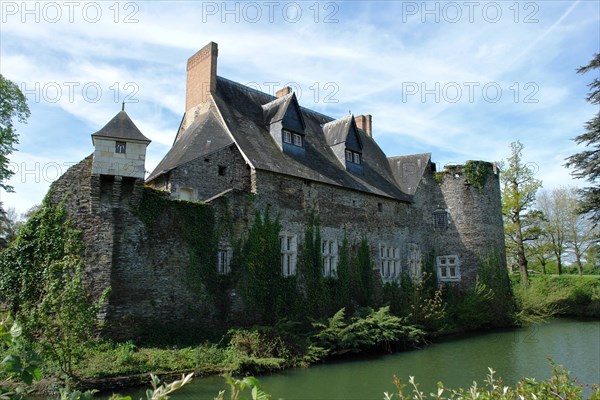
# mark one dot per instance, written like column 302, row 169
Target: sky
column 460, row 80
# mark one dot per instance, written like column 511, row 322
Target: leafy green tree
column 41, row 281
column 586, row 163
column 13, row 105
column 519, row 187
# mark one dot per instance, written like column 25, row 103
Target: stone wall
column 146, row 267
column 207, row 176
column 108, row 162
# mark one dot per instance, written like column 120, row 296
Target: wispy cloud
column 428, row 72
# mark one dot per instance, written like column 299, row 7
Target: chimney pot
column 201, row 76
column 283, row 91
column 364, row 122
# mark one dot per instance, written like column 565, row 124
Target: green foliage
column 196, row 224
column 376, row 329
column 585, row 163
column 63, row 323
column 362, row 279
column 42, row 281
column 519, row 188
column 20, row 367
column 13, row 104
column 310, row 271
column 267, row 295
column 559, row 386
column 238, row 386
column 567, row 295
column 477, row 173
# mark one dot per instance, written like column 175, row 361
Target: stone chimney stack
column 201, row 77
column 364, row 122
column 283, row 91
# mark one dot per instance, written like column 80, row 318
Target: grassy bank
column 561, row 295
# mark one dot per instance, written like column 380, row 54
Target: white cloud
column 374, row 52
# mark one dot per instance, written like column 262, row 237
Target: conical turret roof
column 121, row 127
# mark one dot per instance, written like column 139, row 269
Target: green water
column 456, row 362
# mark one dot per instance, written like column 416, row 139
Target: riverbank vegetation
column 311, row 318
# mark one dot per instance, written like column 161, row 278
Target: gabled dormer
column 286, row 123
column 344, row 140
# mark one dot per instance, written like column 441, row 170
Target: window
column 185, row 194
column 389, row 259
column 414, row 262
column 440, row 219
column 288, row 254
column 120, row 147
column 287, row 136
column 329, row 254
column 448, row 268
column 297, row 139
column 293, row 138
column 224, row 259
column 353, row 157
column 380, row 207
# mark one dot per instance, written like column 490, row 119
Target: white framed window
column 329, row 254
column 297, row 139
column 289, row 252
column 287, row 136
column 414, row 262
column 448, row 268
column 293, row 138
column 389, row 262
column 224, row 257
column 353, row 157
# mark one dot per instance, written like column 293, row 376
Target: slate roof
column 247, row 114
column 409, row 170
column 204, row 136
column 335, row 131
column 121, row 127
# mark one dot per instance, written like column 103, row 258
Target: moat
column 456, row 362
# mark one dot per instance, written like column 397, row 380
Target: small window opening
column 222, row 170
column 379, row 207
column 120, row 147
column 440, row 219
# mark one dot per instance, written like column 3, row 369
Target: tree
column 518, row 194
column 538, row 244
column 12, row 105
column 586, row 163
column 554, row 206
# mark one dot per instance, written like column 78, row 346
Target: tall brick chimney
column 283, row 91
column 364, row 122
column 201, row 76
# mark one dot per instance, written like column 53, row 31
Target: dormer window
column 293, row 138
column 120, row 147
column 353, row 157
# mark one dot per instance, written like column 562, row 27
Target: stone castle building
column 239, row 151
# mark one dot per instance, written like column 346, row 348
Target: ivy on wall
column 195, row 223
column 477, row 173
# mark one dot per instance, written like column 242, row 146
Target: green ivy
column 477, row 173
column 196, row 224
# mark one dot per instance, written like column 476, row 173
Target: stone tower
column 118, row 166
column 474, row 207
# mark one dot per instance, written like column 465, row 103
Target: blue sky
column 460, row 80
